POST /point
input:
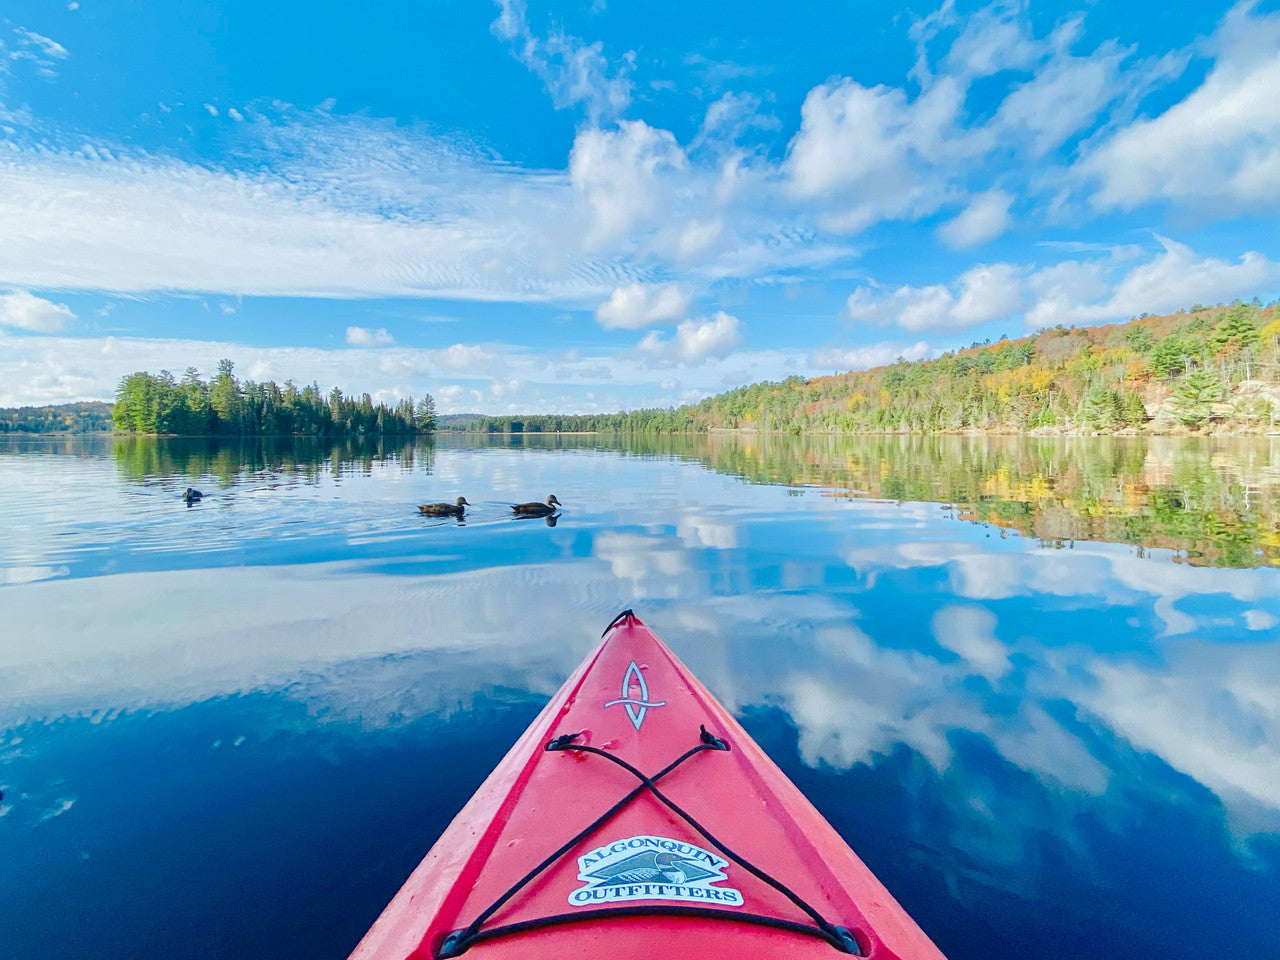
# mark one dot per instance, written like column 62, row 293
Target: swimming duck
column 444, row 509
column 535, row 509
column 192, row 496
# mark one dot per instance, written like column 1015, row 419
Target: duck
column 444, row 509
column 192, row 495
column 535, row 509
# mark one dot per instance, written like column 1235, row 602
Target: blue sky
column 590, row 206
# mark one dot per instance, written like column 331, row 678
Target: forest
column 85, row 417
column 1203, row 368
column 159, row 404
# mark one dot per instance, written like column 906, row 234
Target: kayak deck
column 636, row 818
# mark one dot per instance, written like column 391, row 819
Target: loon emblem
column 652, row 868
column 635, row 696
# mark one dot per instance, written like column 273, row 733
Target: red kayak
column 636, row 819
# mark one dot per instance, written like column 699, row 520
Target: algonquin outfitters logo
column 652, row 868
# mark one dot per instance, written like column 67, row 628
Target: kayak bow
column 635, row 818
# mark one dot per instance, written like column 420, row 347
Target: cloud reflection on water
column 1207, row 708
column 873, row 625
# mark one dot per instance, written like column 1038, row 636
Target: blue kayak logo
column 652, row 868
column 635, row 696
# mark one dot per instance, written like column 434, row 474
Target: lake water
column 1035, row 684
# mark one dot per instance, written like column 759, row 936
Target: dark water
column 1036, row 685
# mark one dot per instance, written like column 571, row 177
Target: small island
column 159, row 404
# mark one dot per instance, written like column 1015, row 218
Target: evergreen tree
column 425, row 416
column 1195, row 396
column 224, row 398
column 1135, row 411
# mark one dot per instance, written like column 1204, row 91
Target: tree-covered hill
column 1181, row 371
column 1209, row 367
column 89, row 416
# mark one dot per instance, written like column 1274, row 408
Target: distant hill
column 1207, row 368
column 458, row 421
column 1210, row 367
column 85, row 417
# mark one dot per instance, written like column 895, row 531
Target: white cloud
column 700, row 340
column 1080, row 292
column 505, row 389
column 1067, row 94
column 574, row 71
column 985, row 218
column 620, row 175
column 468, row 357
column 730, row 118
column 42, row 53
column 698, row 237
column 1219, row 148
column 343, row 206
column 994, row 39
column 986, row 292
column 235, row 114
column 451, row 394
column 868, row 152
column 864, row 358
column 364, row 337
column 696, row 341
column 1172, row 280
column 28, row 312
column 211, row 109
column 262, row 370
column 1179, row 277
column 922, row 307
column 348, row 208
column 641, row 305
column 1059, row 288
column 45, row 46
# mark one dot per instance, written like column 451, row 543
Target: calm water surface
column 1036, row 685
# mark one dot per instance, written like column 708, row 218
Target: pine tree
column 425, row 418
column 1195, row 396
column 1135, row 411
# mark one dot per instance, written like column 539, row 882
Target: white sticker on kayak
column 635, row 696
column 652, row 868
